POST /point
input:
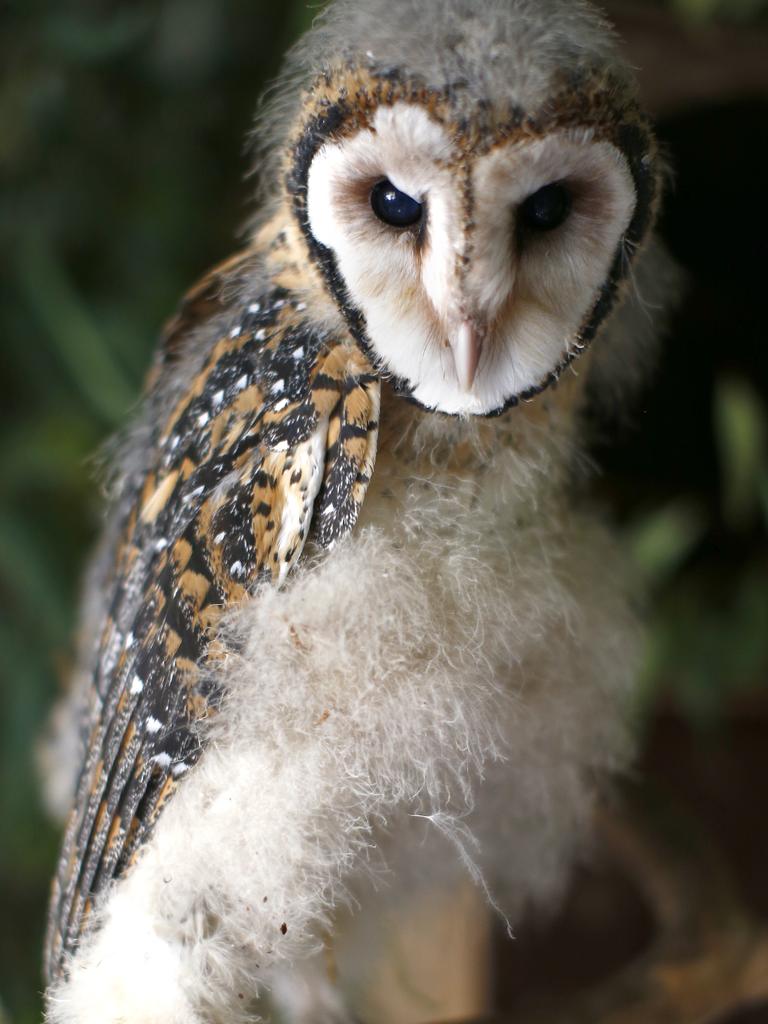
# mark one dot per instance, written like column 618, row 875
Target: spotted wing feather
column 277, row 421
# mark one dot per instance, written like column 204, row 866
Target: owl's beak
column 466, row 345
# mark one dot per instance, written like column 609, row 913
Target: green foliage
column 740, row 429
column 660, row 542
column 735, row 10
column 708, row 642
column 122, row 166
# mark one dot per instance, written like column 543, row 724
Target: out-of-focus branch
column 709, row 959
column 681, row 65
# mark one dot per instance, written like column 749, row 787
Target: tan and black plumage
column 279, row 426
column 467, row 303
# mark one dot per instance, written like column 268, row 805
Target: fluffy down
column 483, row 47
column 463, row 664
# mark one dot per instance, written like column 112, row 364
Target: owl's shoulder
column 258, row 427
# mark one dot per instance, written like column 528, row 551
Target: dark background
column 122, row 161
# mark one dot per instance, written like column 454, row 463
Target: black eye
column 547, row 208
column 393, row 206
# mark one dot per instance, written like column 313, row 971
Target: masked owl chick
column 349, row 597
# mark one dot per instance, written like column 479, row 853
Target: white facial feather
column 529, row 293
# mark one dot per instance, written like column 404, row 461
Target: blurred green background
column 122, row 164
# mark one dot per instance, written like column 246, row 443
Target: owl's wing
column 272, row 439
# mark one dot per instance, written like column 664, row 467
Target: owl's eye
column 393, row 206
column 547, row 208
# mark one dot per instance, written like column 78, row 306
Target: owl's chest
column 435, row 474
column 421, row 470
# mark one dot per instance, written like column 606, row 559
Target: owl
column 353, row 632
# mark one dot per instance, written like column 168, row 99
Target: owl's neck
column 438, row 474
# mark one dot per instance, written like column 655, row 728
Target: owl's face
column 474, row 259
column 474, row 272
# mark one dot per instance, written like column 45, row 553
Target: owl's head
column 473, row 178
